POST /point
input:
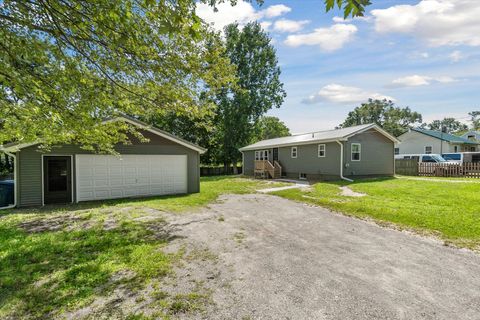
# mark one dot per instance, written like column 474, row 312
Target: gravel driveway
column 278, row 259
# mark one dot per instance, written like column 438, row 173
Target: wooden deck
column 265, row 169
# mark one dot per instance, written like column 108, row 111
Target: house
column 472, row 136
column 163, row 165
column 421, row 141
column 360, row 151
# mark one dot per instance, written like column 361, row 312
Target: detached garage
column 164, row 165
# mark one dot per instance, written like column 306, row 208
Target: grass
column 448, row 210
column 59, row 259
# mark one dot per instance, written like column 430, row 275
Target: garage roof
column 316, row 137
column 13, row 147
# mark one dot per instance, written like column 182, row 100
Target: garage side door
column 101, row 177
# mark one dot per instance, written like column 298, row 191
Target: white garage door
column 108, row 177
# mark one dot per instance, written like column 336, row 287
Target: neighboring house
column 359, row 151
column 472, row 136
column 163, row 165
column 422, row 141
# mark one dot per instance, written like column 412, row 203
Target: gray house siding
column 30, row 164
column 377, row 159
column 376, row 156
column 308, row 162
column 248, row 163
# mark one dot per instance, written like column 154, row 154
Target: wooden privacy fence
column 468, row 170
column 411, row 167
column 406, row 167
column 217, row 171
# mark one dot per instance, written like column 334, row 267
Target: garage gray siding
column 30, row 164
column 376, row 155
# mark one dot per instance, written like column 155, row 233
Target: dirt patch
column 347, row 192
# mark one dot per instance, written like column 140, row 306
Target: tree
column 475, row 118
column 67, row 65
column 269, row 128
column 448, row 125
column 350, row 7
column 385, row 114
column 258, row 88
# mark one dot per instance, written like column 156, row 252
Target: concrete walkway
column 297, row 184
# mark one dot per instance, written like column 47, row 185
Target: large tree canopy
column 475, row 119
column 449, row 125
column 395, row 120
column 268, row 127
column 258, row 87
column 67, row 65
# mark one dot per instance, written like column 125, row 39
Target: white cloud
column 424, row 55
column 284, row 25
column 341, row 20
column 242, row 13
column 417, row 80
column 328, row 39
column 343, row 94
column 438, row 22
column 265, row 25
column 276, row 10
column 456, row 56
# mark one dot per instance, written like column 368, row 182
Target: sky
column 424, row 54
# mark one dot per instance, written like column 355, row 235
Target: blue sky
column 424, row 54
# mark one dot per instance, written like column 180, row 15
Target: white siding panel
column 108, row 177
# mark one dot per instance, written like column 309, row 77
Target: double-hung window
column 356, row 151
column 294, row 152
column 321, row 151
column 428, row 149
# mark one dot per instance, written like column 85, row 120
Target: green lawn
column 448, row 210
column 57, row 259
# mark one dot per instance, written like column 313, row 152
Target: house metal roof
column 317, row 136
column 444, row 136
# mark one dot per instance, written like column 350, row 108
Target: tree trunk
column 235, row 169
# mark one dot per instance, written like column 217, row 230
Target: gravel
column 279, row 259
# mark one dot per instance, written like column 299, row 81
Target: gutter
column 14, row 181
column 341, row 162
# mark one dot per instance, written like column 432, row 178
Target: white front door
column 101, row 177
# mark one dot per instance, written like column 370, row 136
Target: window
column 356, row 150
column 472, row 149
column 455, row 149
column 396, row 151
column 302, row 176
column 471, row 137
column 261, row 155
column 428, row 149
column 321, row 151
column 294, row 152
column 428, row 159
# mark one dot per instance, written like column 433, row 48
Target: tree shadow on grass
column 44, row 272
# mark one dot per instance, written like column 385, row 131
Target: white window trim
column 359, row 151
column 395, row 151
column 296, row 152
column 262, row 155
column 300, row 176
column 324, row 150
column 431, row 149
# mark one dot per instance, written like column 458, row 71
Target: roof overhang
column 15, row 147
column 291, row 144
column 313, row 141
column 380, row 130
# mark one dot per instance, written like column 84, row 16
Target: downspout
column 14, row 181
column 341, row 162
